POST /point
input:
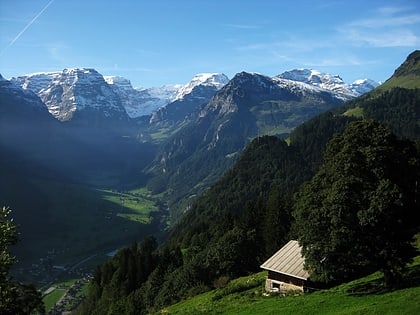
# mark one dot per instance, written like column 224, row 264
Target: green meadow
column 245, row 296
column 134, row 205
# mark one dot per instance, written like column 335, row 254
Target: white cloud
column 387, row 21
column 388, row 27
column 394, row 38
column 392, row 10
column 243, row 26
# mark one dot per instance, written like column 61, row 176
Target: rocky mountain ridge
column 70, row 90
column 74, row 90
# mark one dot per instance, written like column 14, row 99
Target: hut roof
column 288, row 260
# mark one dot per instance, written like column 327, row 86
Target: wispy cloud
column 394, row 38
column 26, row 27
column 390, row 10
column 387, row 21
column 289, row 43
column 56, row 51
column 243, row 26
column 388, row 27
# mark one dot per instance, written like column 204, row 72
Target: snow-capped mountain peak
column 72, row 90
column 363, row 86
column 121, row 82
column 216, row 80
column 313, row 77
column 329, row 82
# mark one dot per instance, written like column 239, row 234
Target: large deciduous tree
column 360, row 212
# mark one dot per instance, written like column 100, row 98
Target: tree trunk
column 392, row 279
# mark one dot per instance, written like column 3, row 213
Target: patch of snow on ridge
column 363, row 86
column 329, row 82
column 218, row 80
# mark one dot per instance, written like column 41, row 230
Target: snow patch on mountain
column 28, row 96
column 65, row 92
column 138, row 101
column 329, row 82
column 72, row 90
column 216, row 80
column 35, row 81
column 363, row 86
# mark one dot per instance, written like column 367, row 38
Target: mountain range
column 72, row 90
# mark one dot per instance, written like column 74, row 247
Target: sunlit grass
column 52, row 298
column 366, row 295
column 132, row 205
column 354, row 112
column 407, row 81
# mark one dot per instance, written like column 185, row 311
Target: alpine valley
column 210, row 168
column 90, row 163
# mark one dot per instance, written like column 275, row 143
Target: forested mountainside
column 248, row 106
column 243, row 218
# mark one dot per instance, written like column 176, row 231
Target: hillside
column 406, row 76
column 243, row 218
column 395, row 103
column 250, row 105
column 362, row 296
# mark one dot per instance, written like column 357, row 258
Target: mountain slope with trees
column 242, row 219
column 248, row 106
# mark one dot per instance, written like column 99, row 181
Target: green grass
column 354, row 112
column 164, row 132
column 52, row 298
column 364, row 296
column 410, row 81
column 134, row 205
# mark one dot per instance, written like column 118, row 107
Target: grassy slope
column 408, row 82
column 364, row 296
column 52, row 298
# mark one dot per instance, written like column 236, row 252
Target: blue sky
column 160, row 42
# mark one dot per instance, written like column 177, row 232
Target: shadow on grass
column 411, row 278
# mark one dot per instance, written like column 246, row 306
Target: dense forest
column 249, row 213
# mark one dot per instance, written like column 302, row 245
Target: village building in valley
column 286, row 269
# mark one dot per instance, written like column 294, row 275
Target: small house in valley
column 285, row 269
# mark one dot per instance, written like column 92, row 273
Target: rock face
column 21, row 95
column 190, row 98
column 269, row 105
column 74, row 91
